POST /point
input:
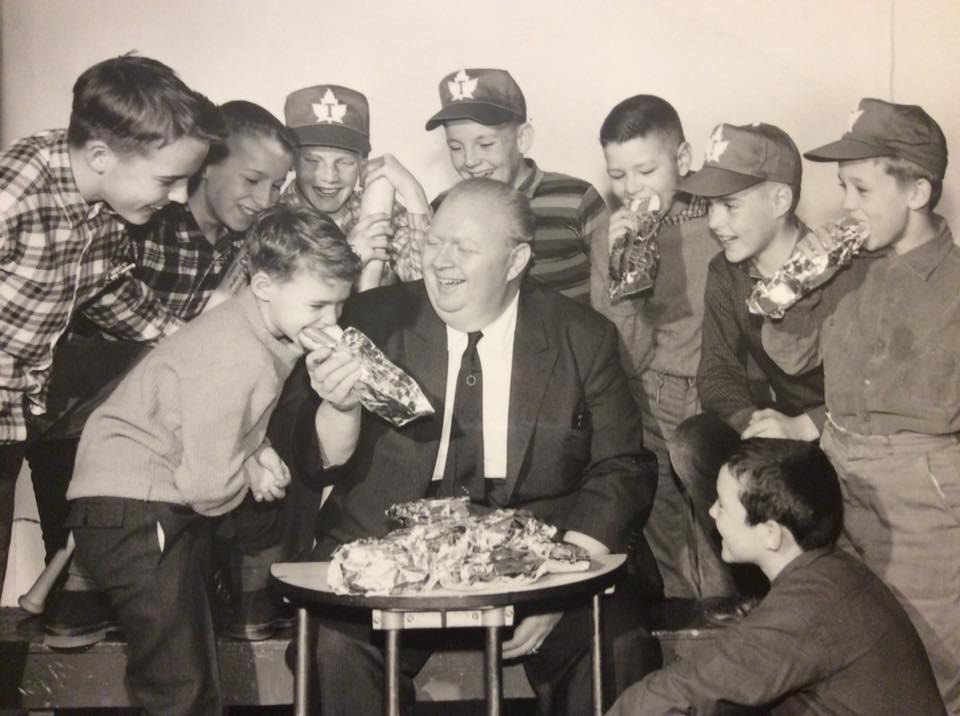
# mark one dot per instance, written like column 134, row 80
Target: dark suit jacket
column 575, row 455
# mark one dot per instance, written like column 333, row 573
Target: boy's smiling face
column 647, row 165
column 742, row 542
column 247, row 181
column 138, row 185
column 304, row 299
column 478, row 150
column 870, row 193
column 327, row 176
column 744, row 222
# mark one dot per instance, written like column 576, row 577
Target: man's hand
column 530, row 634
column 770, row 423
column 370, row 237
column 269, row 475
column 405, row 184
column 333, row 372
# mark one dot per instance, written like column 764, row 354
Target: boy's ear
column 919, row 194
column 525, row 135
column 263, row 286
column 772, row 535
column 100, row 157
column 781, row 197
column 684, row 158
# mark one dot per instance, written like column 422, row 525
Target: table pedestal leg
column 301, row 677
column 597, row 658
column 492, row 670
column 391, row 684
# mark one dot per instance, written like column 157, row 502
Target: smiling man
column 547, row 423
column 332, row 127
column 484, row 117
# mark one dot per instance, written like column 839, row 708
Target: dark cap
column 486, row 96
column 329, row 116
column 739, row 157
column 883, row 129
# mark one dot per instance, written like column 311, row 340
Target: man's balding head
column 476, row 251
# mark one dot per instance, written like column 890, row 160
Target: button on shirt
column 57, row 252
column 496, row 361
column 887, row 330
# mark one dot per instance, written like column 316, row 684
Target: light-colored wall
column 801, row 64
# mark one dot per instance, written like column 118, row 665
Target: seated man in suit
column 546, row 422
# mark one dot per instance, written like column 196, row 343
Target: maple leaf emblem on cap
column 329, row 109
column 462, row 86
column 717, row 146
column 852, row 119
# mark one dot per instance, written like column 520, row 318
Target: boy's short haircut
column 906, row 172
column 249, row 118
column 640, row 116
column 135, row 104
column 793, row 483
column 284, row 239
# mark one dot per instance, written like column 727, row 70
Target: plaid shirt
column 57, row 253
column 176, row 260
column 408, row 230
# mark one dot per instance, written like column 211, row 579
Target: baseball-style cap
column 883, row 129
column 739, row 157
column 482, row 95
column 329, row 116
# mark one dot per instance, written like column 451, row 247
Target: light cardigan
column 184, row 421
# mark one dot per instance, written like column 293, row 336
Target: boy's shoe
column 258, row 615
column 78, row 619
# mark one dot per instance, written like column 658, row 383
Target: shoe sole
column 78, row 641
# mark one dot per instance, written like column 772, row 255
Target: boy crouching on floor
column 180, row 441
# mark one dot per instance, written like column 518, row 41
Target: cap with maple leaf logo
column 739, row 157
column 882, row 129
column 329, row 116
column 486, row 96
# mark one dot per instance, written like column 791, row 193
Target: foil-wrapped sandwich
column 802, row 273
column 384, row 388
column 634, row 256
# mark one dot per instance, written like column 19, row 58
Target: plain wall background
column 800, row 64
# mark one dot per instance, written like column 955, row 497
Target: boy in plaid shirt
column 136, row 134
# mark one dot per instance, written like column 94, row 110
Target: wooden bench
column 35, row 677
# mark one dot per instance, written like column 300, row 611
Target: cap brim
column 847, row 149
column 332, row 135
column 482, row 112
column 714, row 181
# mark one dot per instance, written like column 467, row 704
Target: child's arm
column 722, row 375
column 132, row 311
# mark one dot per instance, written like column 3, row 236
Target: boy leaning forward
column 887, row 330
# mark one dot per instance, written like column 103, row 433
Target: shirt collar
column 531, row 183
column 925, row 258
column 498, row 333
column 77, row 208
column 686, row 207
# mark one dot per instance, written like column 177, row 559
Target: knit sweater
column 182, row 425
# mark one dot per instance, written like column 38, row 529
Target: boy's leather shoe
column 77, row 619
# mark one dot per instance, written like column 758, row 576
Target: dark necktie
column 463, row 472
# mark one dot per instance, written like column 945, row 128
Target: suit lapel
column 533, row 362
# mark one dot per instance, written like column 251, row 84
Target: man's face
column 138, row 185
column 478, row 150
column 741, row 541
column 247, row 181
column 870, row 193
column 327, row 176
column 744, row 222
column 469, row 261
column 643, row 167
column 305, row 299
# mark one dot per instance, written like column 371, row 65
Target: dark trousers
column 701, row 445
column 350, row 659
column 11, row 459
column 159, row 596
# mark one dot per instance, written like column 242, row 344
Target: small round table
column 304, row 584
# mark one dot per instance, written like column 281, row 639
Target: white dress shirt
column 496, row 361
